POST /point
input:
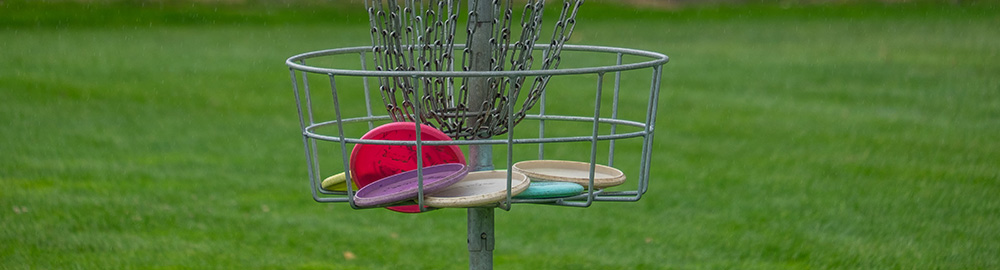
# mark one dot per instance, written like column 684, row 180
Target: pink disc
column 371, row 162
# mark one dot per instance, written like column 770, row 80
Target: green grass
column 853, row 136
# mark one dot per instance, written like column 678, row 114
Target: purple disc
column 403, row 186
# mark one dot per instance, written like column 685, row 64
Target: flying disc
column 538, row 190
column 480, row 188
column 404, row 186
column 336, row 182
column 570, row 171
column 371, row 162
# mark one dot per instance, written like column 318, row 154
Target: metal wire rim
column 296, row 62
column 311, row 133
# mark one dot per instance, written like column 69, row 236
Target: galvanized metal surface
column 477, row 93
column 481, row 237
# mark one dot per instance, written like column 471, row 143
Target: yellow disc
column 337, row 182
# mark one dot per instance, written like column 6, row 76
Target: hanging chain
column 412, row 35
column 519, row 56
column 551, row 55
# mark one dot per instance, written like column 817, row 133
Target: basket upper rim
column 656, row 59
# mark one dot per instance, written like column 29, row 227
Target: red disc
column 371, row 162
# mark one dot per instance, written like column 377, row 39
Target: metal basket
column 329, row 136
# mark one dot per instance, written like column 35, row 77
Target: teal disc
column 537, row 190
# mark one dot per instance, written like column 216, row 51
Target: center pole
column 480, row 237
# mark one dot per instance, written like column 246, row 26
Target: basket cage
column 602, row 101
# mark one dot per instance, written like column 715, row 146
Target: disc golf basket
column 494, row 89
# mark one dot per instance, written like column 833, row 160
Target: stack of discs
column 387, row 174
column 372, row 162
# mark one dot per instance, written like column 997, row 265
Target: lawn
column 836, row 136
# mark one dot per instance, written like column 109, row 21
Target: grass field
column 838, row 136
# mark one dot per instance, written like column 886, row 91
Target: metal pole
column 480, row 235
column 481, row 53
column 481, row 238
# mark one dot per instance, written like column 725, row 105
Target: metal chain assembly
column 412, row 35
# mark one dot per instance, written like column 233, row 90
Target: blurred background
column 791, row 135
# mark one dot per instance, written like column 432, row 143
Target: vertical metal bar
column 481, row 156
column 298, row 100
column 614, row 112
column 647, row 145
column 368, row 101
column 480, row 236
column 593, row 146
column 541, row 125
column 651, row 126
column 593, row 139
column 314, row 150
column 305, row 139
column 305, row 87
column 510, row 148
column 481, row 57
column 343, row 143
column 419, row 142
column 310, row 144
